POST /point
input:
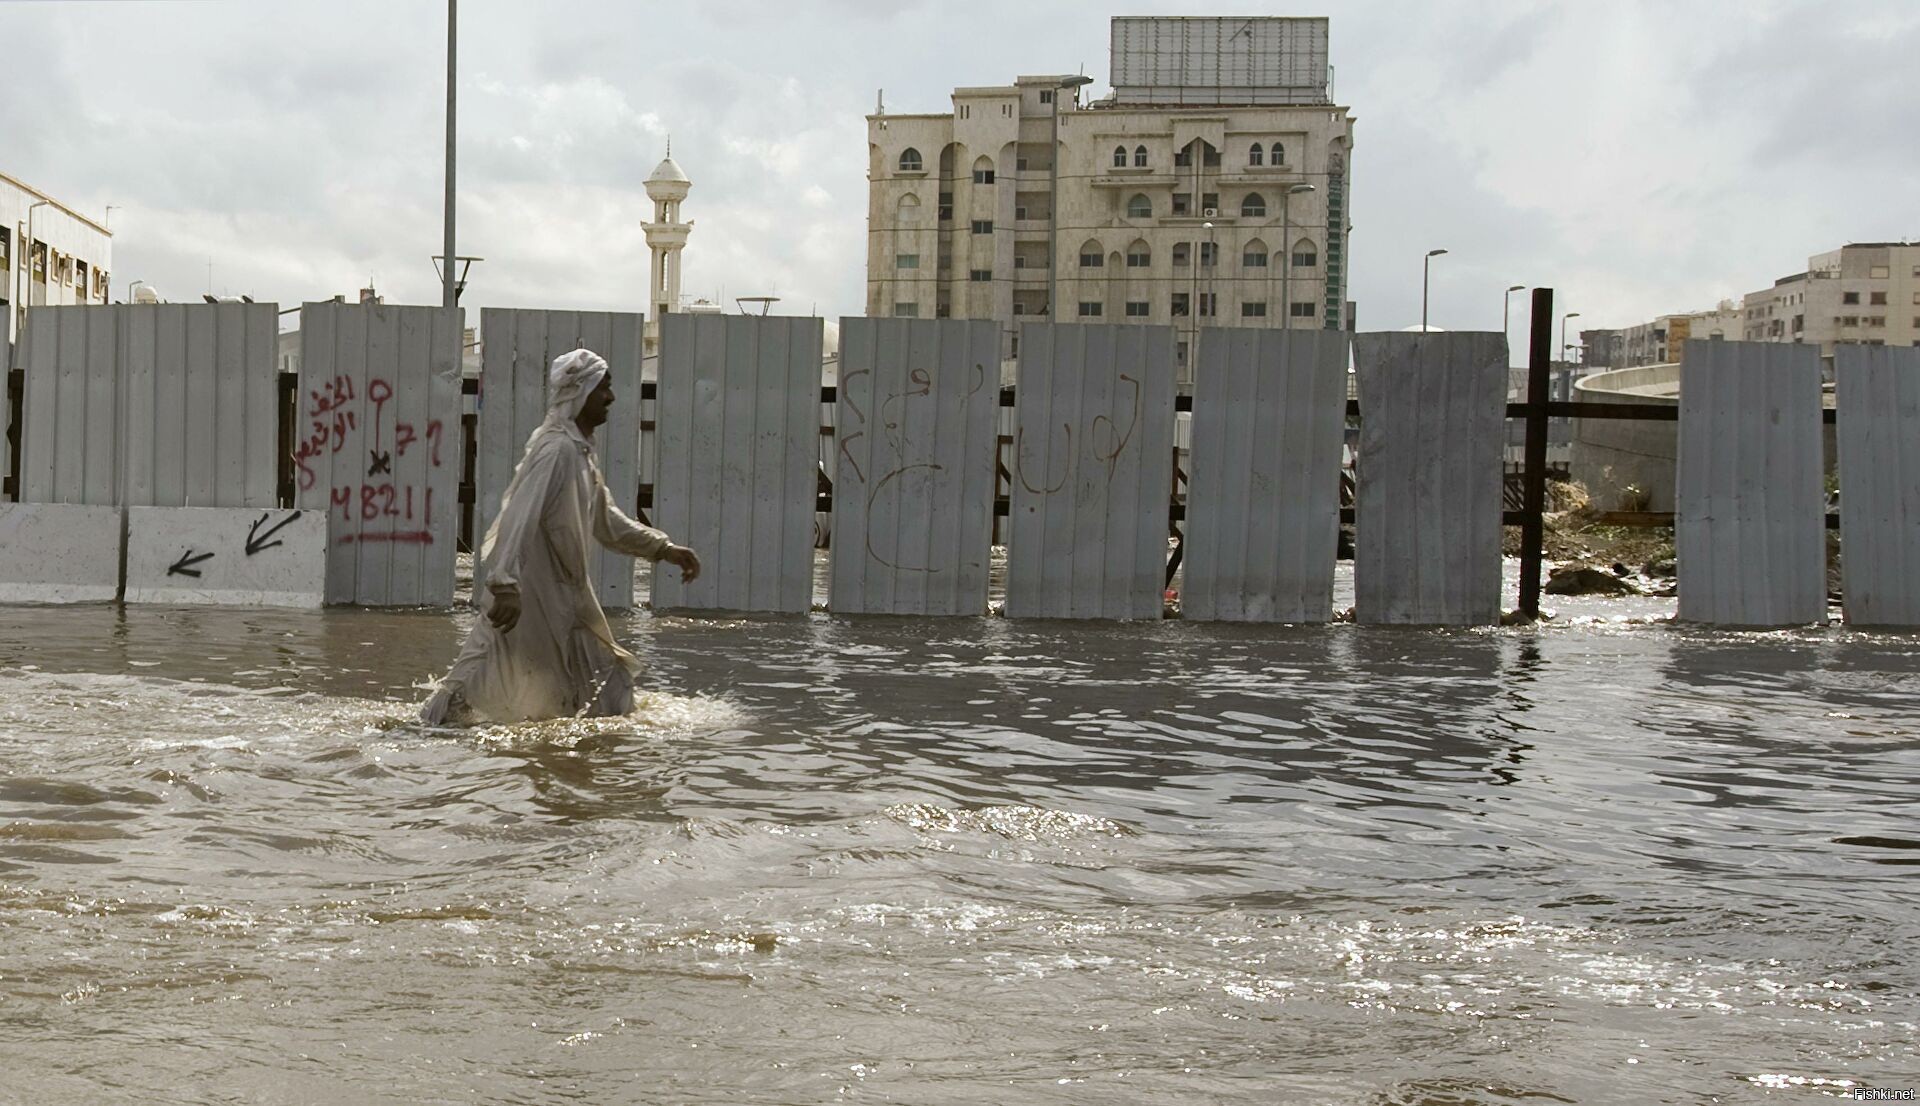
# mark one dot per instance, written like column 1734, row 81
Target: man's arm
column 615, row 530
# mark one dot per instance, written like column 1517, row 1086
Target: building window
column 1279, row 155
column 1877, row 299
column 1210, row 201
column 1183, row 158
column 1849, row 297
column 1304, row 257
column 1208, row 255
column 966, row 111
column 983, row 176
column 1257, row 310
column 1046, row 95
column 1848, row 320
column 1136, row 309
column 1256, row 155
column 983, row 226
column 6, row 252
column 37, row 258
column 1091, row 256
column 906, row 310
column 1303, row 310
column 1139, row 256
column 1211, row 158
column 980, row 276
column 1139, row 207
column 1140, row 162
column 1876, row 320
column 910, row 161
column 1878, row 272
column 1254, row 206
column 942, row 310
column 1182, row 202
column 946, row 207
column 1089, row 310
column 906, row 261
column 80, row 279
column 1020, row 164
column 1119, row 157
column 1178, row 306
column 1182, row 255
column 1254, row 258
column 1208, row 303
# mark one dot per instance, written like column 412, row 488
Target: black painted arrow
column 184, row 566
column 256, row 544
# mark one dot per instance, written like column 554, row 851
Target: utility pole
column 449, row 294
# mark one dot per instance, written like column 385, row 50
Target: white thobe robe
column 560, row 659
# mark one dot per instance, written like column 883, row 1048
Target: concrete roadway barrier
column 226, row 555
column 57, row 553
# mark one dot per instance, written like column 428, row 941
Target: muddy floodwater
column 1610, row 859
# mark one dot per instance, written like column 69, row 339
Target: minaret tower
column 666, row 237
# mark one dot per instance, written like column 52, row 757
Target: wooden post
column 1534, row 501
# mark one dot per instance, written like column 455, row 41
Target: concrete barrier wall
column 1750, row 515
column 1428, row 500
column 1613, row 457
column 1878, row 390
column 151, row 405
column 379, row 448
column 1263, row 501
column 56, row 553
column 738, row 430
column 916, row 409
column 229, row 556
column 1092, row 471
column 520, row 348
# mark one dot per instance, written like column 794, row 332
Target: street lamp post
column 1286, row 251
column 1426, row 266
column 1563, row 332
column 1053, row 194
column 26, row 300
column 449, row 294
column 1506, row 308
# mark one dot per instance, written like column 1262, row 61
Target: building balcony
column 1135, row 179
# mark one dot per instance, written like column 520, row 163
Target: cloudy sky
column 1639, row 157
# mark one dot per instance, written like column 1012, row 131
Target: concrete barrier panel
column 226, row 555
column 55, row 553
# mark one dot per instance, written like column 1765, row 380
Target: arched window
column 1278, row 155
column 1091, row 255
column 1255, row 155
column 1254, row 206
column 1306, row 255
column 1139, row 254
column 1253, row 255
column 1139, row 207
column 910, row 160
column 1139, row 157
column 983, row 170
column 909, row 208
column 1119, row 157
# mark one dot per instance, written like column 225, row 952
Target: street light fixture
column 1506, row 307
column 26, row 300
column 1286, row 249
column 1053, row 193
column 1563, row 332
column 1426, row 266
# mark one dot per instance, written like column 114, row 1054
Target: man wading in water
column 542, row 647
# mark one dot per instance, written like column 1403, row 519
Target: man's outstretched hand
column 505, row 612
column 687, row 561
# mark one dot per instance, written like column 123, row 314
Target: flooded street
column 960, row 861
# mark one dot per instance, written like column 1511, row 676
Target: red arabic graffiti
column 332, row 417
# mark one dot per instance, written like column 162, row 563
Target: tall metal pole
column 449, row 295
column 1534, row 491
column 1286, row 249
column 1506, row 310
column 1426, row 266
column 1053, row 211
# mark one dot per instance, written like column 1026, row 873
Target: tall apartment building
column 1210, row 188
column 49, row 254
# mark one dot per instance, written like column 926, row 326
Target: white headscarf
column 573, row 377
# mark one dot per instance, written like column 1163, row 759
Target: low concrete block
column 56, row 553
column 226, row 555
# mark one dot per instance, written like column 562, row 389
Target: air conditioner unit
column 1209, row 213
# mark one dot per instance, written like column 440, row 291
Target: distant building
column 49, row 254
column 1659, row 342
column 1210, row 188
column 1866, row 293
column 667, row 186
